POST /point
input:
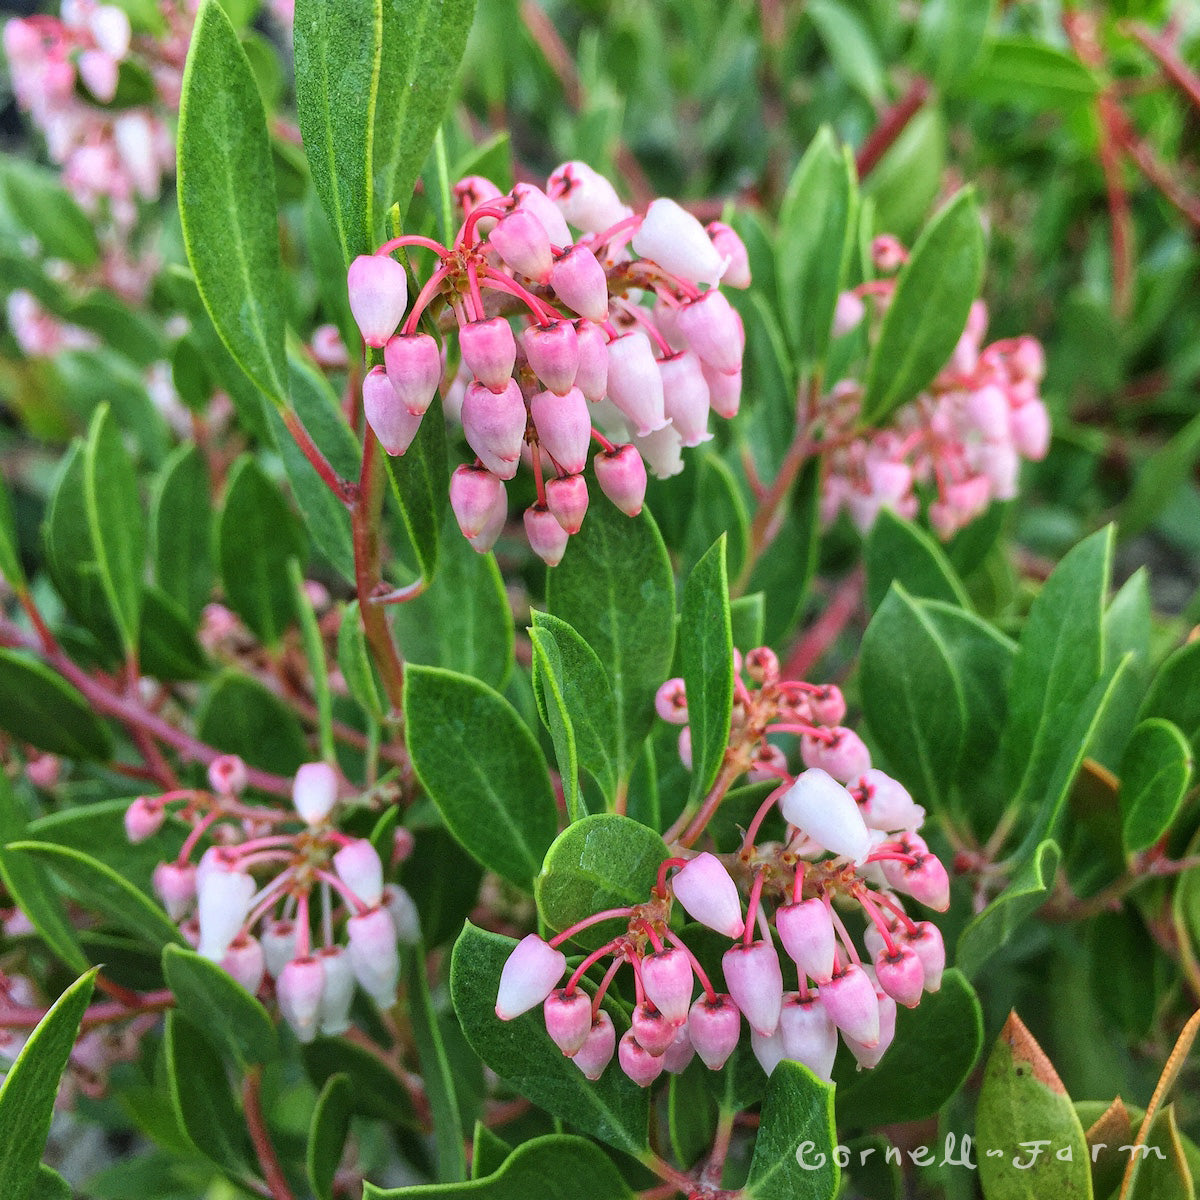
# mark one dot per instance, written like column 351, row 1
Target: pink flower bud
column 175, row 885
column 133, row 134
column 567, row 499
column 534, row 200
column 227, row 775
column 927, row 944
column 809, row 1034
column 635, row 383
column 651, row 1030
column 547, row 538
column 43, row 771
column 529, row 976
column 371, row 941
column 640, row 1065
column 987, row 410
column 337, row 994
column 762, row 664
column 591, row 375
column 568, row 1019
column 494, row 423
column 901, row 975
column 724, row 391
column 564, row 428
column 474, row 494
column 474, row 190
column 490, row 351
column 886, row 804
column 925, row 880
column 730, row 247
column 806, row 930
column 1028, row 360
column 314, row 792
column 849, row 998
column 621, row 475
column 685, row 397
column 143, row 818
column 679, row 1053
column 391, row 422
column 359, row 868
column 328, row 348
column 842, row 755
column 1030, row 425
column 400, row 907
column 685, row 747
column 888, row 253
column 769, row 763
column 827, row 705
column 817, row 804
column 768, row 1049
column 598, row 1048
column 670, row 236
column 847, row 313
column 714, row 331
column 414, row 366
column 714, row 1028
column 99, row 72
column 110, row 27
column 708, row 895
column 585, row 197
column 245, row 962
column 670, row 702
column 579, row 281
column 1000, row 465
column 756, row 984
column 667, row 978
column 868, row 1056
column 522, row 242
column 487, row 537
column 279, row 945
column 222, row 902
column 298, row 990
column 378, row 290
column 553, row 353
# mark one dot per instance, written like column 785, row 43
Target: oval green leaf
column 38, row 706
column 1156, row 771
column 794, row 1152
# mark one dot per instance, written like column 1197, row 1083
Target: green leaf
column 746, row 616
column 327, row 1134
column 256, row 536
column 170, row 649
column 706, row 644
column 37, row 201
column 1175, row 693
column 950, row 37
column 1158, row 479
column 201, row 1099
column 813, row 243
column 691, row 1117
column 51, row 1185
column 604, row 861
column 794, row 1152
column 898, row 192
column 374, row 1089
column 38, row 706
column 631, row 628
column 912, row 696
column 115, row 523
column 1059, row 658
column 418, row 480
column 232, row 1019
column 181, row 530
column 554, row 1167
column 97, row 887
column 31, row 888
column 1027, row 891
column 436, row 1073
column 241, row 716
column 1164, row 1173
column 552, row 707
column 1156, row 771
column 613, row 1109
column 928, row 311
column 1023, row 1101
column 28, row 1092
column 10, row 551
column 934, row 1052
column 227, row 202
column 848, row 43
column 462, row 621
column 488, row 1151
column 356, row 666
column 1028, row 73
column 898, row 549
column 718, row 508
column 372, row 82
column 481, row 766
column 566, row 665
column 314, row 652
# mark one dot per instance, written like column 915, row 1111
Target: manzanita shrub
column 597, row 665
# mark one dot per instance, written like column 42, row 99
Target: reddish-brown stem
column 106, row 1013
column 364, row 519
column 720, row 1150
column 891, row 125
column 1164, row 53
column 343, row 489
column 732, row 768
column 1156, row 171
column 256, row 1124
column 824, row 631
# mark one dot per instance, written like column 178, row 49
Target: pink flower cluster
column 856, row 846
column 65, row 70
column 964, row 437
column 316, row 876
column 565, row 338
